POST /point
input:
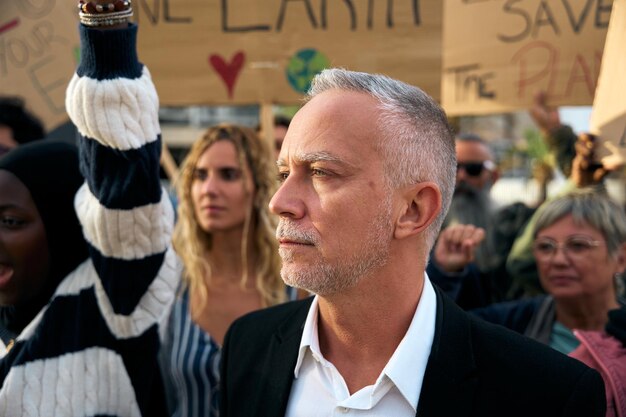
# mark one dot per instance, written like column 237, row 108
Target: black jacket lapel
column 281, row 362
column 450, row 371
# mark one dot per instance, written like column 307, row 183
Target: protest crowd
column 348, row 260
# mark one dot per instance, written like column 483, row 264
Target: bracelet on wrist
column 89, row 7
column 108, row 21
column 109, row 16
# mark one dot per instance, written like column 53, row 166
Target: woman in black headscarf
column 40, row 236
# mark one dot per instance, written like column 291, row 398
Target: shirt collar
column 309, row 335
column 407, row 365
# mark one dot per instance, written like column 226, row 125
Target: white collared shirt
column 319, row 390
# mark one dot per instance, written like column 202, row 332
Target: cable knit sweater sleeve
column 126, row 215
column 93, row 349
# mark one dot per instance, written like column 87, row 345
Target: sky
column 576, row 117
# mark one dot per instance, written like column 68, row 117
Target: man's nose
column 287, row 201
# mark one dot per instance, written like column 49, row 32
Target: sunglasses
column 474, row 169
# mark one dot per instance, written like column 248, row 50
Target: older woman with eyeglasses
column 580, row 250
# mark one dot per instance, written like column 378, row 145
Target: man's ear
column 423, row 204
column 495, row 176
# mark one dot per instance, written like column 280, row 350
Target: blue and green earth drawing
column 303, row 66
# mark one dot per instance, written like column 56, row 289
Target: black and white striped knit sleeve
column 126, row 215
column 93, row 349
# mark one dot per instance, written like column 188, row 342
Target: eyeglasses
column 574, row 248
column 474, row 169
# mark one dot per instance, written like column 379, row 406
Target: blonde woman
column 225, row 237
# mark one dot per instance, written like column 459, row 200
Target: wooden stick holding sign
column 266, row 117
column 169, row 164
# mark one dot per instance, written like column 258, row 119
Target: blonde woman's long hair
column 191, row 242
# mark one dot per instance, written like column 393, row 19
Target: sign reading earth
column 303, row 66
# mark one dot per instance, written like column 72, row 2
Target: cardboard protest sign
column 38, row 54
column 608, row 115
column 266, row 51
column 499, row 53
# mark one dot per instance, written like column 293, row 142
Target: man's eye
column 282, row 176
column 318, row 172
column 230, row 174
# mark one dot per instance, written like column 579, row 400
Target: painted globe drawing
column 303, row 66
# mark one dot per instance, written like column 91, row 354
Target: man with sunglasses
column 485, row 281
column 472, row 203
column 476, row 170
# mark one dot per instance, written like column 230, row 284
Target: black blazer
column 474, row 369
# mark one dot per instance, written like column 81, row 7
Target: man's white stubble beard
column 324, row 277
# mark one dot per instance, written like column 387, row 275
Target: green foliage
column 530, row 154
column 285, row 110
column 536, row 148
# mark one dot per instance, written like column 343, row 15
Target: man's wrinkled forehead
column 300, row 157
column 334, row 125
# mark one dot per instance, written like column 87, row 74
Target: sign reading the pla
column 266, row 51
column 499, row 53
column 38, row 47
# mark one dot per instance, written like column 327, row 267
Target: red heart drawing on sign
column 229, row 71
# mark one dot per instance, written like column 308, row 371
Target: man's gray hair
column 418, row 143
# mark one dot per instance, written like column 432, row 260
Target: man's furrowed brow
column 309, row 158
column 312, row 157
